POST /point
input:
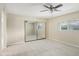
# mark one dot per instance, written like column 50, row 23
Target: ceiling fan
column 51, row 7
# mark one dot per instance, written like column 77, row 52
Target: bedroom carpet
column 40, row 48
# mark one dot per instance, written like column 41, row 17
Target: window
column 63, row 26
column 70, row 25
column 74, row 25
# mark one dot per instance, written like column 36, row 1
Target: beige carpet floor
column 40, row 48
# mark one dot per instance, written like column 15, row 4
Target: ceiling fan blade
column 58, row 6
column 46, row 6
column 50, row 5
column 43, row 10
column 56, row 9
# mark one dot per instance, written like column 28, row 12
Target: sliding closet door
column 34, row 31
column 30, row 34
column 40, row 30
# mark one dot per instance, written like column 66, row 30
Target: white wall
column 71, row 37
column 15, row 28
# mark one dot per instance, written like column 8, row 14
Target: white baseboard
column 74, row 45
column 15, row 43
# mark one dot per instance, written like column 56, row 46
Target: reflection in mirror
column 34, row 31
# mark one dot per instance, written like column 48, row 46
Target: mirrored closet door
column 34, row 31
column 30, row 33
column 40, row 27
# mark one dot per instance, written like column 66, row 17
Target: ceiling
column 33, row 9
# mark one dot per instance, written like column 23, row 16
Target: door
column 40, row 30
column 29, row 32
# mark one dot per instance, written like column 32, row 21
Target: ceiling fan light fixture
column 51, row 7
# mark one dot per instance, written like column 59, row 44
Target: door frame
column 25, row 30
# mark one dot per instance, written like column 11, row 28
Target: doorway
column 34, row 31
